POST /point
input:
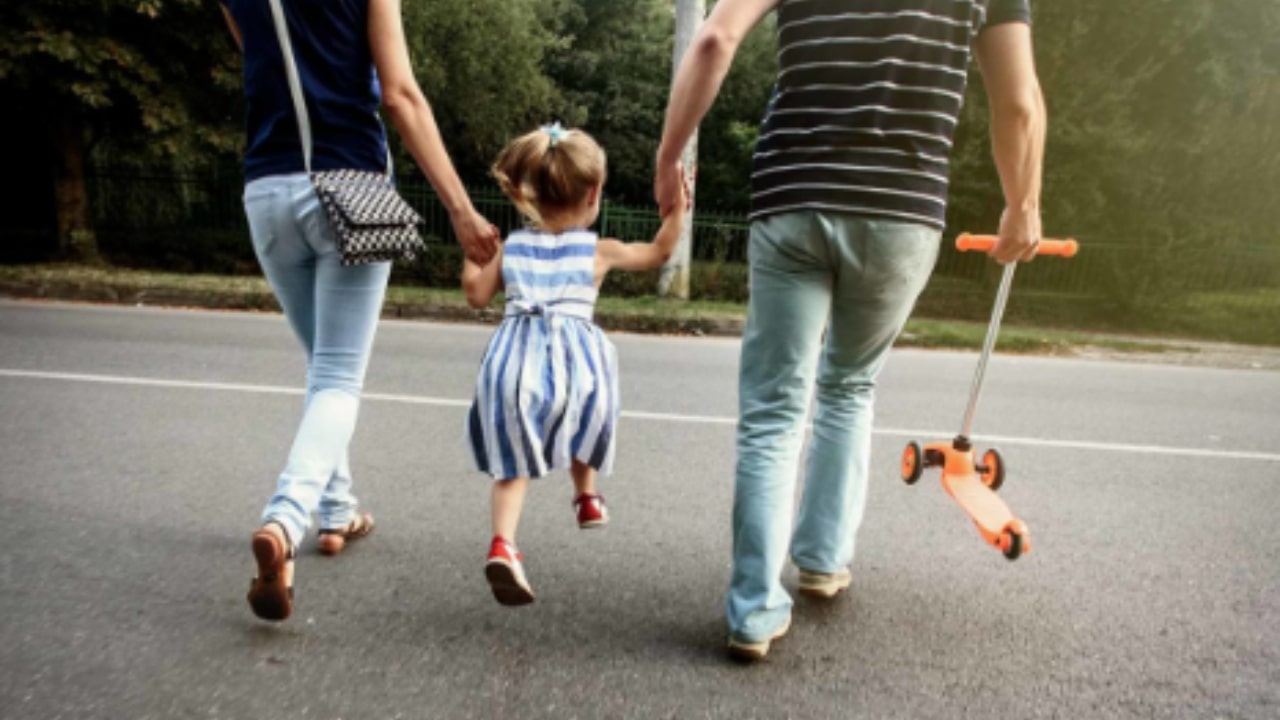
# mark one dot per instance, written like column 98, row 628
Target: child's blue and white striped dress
column 547, row 391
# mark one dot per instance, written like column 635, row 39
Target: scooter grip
column 984, row 243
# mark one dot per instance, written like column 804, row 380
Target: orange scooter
column 973, row 484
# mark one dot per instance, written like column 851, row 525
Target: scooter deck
column 988, row 511
column 983, row 506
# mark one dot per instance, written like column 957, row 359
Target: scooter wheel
column 992, row 469
column 1013, row 544
column 912, row 465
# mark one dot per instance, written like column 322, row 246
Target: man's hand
column 683, row 191
column 477, row 236
column 1019, row 236
column 686, row 192
column 669, row 187
column 696, row 83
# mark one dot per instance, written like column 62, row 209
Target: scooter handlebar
column 984, row 243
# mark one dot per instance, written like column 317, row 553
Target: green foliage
column 1162, row 131
column 1162, row 139
column 614, row 68
column 480, row 64
column 1163, row 148
column 157, row 77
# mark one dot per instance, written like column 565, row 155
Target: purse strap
column 295, row 87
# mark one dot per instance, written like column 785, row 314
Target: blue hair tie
column 555, row 132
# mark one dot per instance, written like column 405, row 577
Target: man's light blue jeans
column 857, row 278
column 334, row 311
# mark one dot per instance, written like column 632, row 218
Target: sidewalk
column 77, row 283
column 120, row 286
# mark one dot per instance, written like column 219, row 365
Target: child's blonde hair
column 549, row 170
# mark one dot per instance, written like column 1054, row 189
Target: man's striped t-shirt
column 866, row 103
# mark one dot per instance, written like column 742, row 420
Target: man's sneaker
column 505, row 571
column 824, row 586
column 748, row 651
column 591, row 511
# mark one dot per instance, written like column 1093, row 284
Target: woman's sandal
column 332, row 541
column 269, row 595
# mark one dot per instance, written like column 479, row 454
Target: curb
column 138, row 296
column 264, row 301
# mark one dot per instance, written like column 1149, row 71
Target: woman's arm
column 413, row 119
column 481, row 282
column 231, row 23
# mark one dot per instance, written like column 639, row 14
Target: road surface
column 139, row 446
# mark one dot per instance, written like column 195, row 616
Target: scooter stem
column 993, row 329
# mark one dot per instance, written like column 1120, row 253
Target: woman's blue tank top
column 331, row 47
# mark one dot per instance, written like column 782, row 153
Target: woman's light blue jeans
column 857, row 278
column 334, row 311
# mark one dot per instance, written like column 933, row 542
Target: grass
column 1022, row 339
column 653, row 305
column 105, row 276
column 642, row 314
column 1251, row 316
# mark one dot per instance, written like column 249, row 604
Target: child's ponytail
column 549, row 171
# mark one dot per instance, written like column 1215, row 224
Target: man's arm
column 696, row 85
column 1017, row 134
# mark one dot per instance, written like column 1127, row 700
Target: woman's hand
column 477, row 236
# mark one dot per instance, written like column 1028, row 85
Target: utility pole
column 674, row 281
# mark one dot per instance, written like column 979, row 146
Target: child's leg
column 508, row 502
column 504, row 568
column 584, row 479
column 586, row 502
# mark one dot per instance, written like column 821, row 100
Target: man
column 849, row 198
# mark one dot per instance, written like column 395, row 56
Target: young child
column 547, row 391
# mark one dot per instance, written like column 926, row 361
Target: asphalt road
column 139, row 445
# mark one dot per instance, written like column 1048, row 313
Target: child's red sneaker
column 505, row 571
column 591, row 511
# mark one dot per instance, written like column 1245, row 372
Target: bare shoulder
column 607, row 253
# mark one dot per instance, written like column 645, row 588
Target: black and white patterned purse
column 370, row 220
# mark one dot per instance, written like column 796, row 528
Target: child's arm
column 481, row 282
column 618, row 255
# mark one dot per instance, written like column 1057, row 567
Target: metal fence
column 716, row 236
column 178, row 215
column 147, row 201
column 128, row 208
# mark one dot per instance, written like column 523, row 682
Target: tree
column 1162, row 146
column 154, row 78
column 480, row 63
column 613, row 67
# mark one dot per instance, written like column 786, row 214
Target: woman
column 351, row 56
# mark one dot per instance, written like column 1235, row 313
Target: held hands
column 478, row 237
column 1019, row 236
column 680, row 189
column 670, row 186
